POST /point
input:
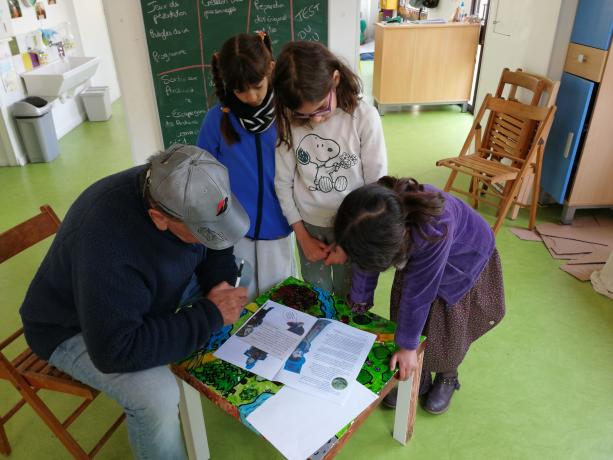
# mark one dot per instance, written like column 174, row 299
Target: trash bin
column 97, row 101
column 35, row 124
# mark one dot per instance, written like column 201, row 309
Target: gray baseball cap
column 190, row 184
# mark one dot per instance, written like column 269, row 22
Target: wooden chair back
column 27, row 372
column 544, row 95
column 28, row 233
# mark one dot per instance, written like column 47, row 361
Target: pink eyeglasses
column 319, row 112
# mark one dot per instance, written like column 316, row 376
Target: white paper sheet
column 319, row 356
column 298, row 424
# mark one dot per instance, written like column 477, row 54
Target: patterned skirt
column 452, row 329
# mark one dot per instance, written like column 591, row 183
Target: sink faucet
column 60, row 48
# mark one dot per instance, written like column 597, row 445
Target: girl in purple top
column 448, row 281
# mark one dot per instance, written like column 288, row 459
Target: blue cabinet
column 593, row 24
column 578, row 161
column 564, row 139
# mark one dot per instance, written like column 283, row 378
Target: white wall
column 95, row 41
column 128, row 40
column 66, row 116
column 523, row 37
column 88, row 26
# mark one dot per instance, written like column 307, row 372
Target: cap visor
column 226, row 231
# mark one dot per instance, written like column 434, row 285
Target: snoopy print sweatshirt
column 327, row 161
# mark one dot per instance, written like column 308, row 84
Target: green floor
column 538, row 387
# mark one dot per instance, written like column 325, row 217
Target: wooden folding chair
column 511, row 147
column 535, row 90
column 27, row 372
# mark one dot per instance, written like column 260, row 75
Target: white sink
column 56, row 78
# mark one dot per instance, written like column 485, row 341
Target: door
column 524, row 38
column 565, row 136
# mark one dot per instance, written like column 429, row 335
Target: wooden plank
column 192, row 420
column 513, row 112
column 406, row 403
column 513, row 123
column 22, row 357
column 28, row 233
column 500, row 126
column 31, row 359
column 60, row 384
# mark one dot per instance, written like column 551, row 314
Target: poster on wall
column 14, row 8
column 40, row 11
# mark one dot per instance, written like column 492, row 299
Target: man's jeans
column 150, row 398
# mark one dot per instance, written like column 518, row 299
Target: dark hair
column 304, row 73
column 243, row 60
column 374, row 223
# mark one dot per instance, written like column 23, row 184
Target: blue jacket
column 251, row 165
column 111, row 275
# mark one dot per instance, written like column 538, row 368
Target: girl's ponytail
column 227, row 130
column 266, row 40
column 419, row 206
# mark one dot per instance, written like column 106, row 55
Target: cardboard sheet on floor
column 525, row 234
column 597, row 234
column 298, row 424
column 581, row 272
column 599, row 256
column 560, row 248
column 563, row 246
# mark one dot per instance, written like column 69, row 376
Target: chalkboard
column 182, row 35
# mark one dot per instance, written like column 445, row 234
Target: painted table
column 239, row 392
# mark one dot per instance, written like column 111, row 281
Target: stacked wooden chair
column 27, row 372
column 508, row 153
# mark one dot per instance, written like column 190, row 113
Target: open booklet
column 322, row 357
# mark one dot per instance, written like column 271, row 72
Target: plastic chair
column 27, row 372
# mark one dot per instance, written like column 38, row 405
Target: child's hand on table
column 407, row 362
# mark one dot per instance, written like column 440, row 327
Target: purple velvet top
column 445, row 268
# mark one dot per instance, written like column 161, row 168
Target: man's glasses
column 319, row 112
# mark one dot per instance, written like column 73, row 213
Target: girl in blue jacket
column 241, row 133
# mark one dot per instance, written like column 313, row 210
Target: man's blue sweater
column 111, row 275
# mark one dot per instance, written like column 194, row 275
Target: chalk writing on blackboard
column 182, row 35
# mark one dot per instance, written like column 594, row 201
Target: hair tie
column 226, row 110
column 262, row 34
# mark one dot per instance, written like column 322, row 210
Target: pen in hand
column 240, row 272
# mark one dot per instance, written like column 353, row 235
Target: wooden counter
column 424, row 63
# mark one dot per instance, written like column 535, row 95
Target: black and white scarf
column 254, row 119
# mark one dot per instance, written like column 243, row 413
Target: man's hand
column 337, row 255
column 406, row 360
column 229, row 301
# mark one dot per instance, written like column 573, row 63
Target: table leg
column 192, row 419
column 406, row 403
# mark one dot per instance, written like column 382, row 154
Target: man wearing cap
column 140, row 275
